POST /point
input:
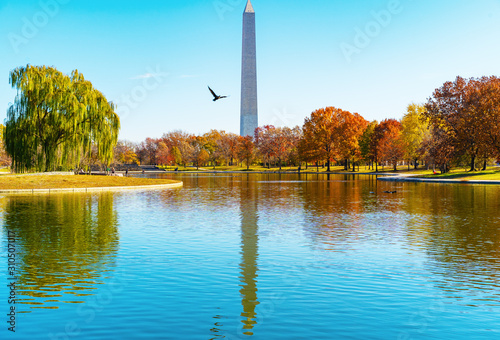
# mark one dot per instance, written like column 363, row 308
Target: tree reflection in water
column 65, row 244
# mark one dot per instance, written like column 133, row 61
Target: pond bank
column 412, row 178
column 49, row 183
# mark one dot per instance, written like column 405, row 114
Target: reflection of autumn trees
column 457, row 226
column 65, row 242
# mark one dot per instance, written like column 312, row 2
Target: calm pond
column 252, row 256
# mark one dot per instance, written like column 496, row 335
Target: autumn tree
column 212, row 139
column 365, row 142
column 56, row 118
column 415, row 128
column 263, row 143
column 124, row 152
column 437, row 149
column 468, row 111
column 349, row 128
column 176, row 155
column 320, row 135
column 390, row 146
column 293, row 156
column 228, row 147
column 162, row 153
column 246, row 149
column 199, row 154
column 332, row 133
column 179, row 141
column 280, row 142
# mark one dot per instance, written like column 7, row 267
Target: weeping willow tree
column 56, row 120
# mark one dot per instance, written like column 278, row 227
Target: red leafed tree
column 162, row 153
column 468, row 111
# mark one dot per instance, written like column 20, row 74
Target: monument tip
column 249, row 7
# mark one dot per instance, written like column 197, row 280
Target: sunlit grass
column 78, row 181
column 488, row 174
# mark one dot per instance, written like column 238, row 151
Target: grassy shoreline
column 492, row 173
column 20, row 182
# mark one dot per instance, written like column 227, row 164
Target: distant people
column 176, row 169
column 112, row 170
column 126, row 172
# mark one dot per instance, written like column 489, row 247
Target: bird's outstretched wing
column 222, row 97
column 213, row 93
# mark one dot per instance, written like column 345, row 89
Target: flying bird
column 216, row 97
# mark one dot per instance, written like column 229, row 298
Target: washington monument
column 248, row 114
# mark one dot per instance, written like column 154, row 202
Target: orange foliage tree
column 332, row 134
column 390, row 146
column 246, row 150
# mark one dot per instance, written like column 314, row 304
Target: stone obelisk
column 248, row 112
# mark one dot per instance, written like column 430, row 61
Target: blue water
column 256, row 257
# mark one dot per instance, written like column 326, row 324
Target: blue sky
column 156, row 58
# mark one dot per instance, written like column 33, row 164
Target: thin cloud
column 188, row 76
column 150, row 75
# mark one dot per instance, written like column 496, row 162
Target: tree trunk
column 484, row 165
column 473, row 163
column 328, row 165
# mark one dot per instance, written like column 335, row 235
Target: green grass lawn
column 490, row 174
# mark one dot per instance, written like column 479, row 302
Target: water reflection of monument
column 66, row 242
column 249, row 254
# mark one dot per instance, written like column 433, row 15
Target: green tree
column 56, row 119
